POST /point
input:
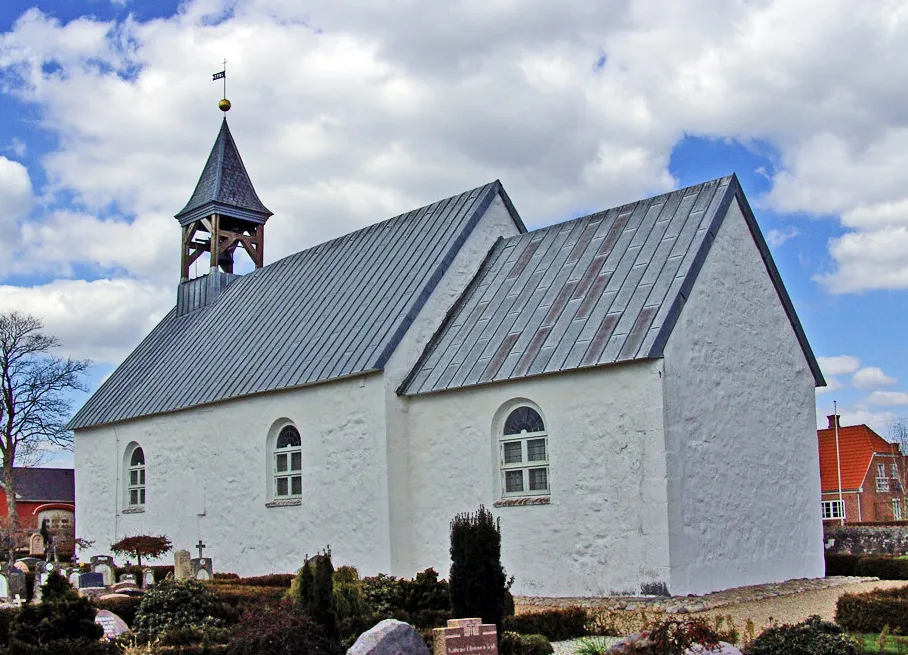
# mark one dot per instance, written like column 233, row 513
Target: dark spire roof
column 224, row 186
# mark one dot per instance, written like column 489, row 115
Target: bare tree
column 34, row 407
column 898, row 434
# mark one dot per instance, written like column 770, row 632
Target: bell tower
column 224, row 212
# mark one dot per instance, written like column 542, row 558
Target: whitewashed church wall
column 495, row 223
column 206, row 477
column 605, row 529
column 743, row 471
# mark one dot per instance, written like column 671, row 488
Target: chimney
column 834, row 421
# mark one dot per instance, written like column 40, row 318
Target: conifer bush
column 313, row 592
column 478, row 581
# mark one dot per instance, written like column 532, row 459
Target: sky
column 351, row 111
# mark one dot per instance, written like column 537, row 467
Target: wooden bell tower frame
column 224, row 234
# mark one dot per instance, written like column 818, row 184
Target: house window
column 882, row 484
column 524, row 454
column 897, row 509
column 288, row 464
column 833, row 509
column 135, row 478
column 894, row 471
column 881, row 470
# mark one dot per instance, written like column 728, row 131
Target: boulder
column 390, row 637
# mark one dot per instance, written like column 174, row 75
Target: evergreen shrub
column 280, row 629
column 513, row 643
column 873, row 610
column 313, row 592
column 811, row 637
column 556, row 625
column 478, row 581
column 884, row 568
column 177, row 604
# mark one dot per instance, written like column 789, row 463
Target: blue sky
column 347, row 113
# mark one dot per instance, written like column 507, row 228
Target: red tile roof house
column 43, row 493
column 872, row 475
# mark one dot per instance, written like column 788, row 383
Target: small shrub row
column 841, row 564
column 813, row 636
column 556, row 625
column 884, row 568
column 873, row 610
column 282, row 580
column 513, row 643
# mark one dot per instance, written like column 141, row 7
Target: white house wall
column 605, row 530
column 743, row 472
column 206, row 477
column 495, row 222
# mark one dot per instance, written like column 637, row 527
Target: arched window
column 288, row 464
column 524, row 454
column 135, row 477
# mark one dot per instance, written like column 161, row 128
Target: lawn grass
column 871, row 644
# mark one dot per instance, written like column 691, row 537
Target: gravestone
column 147, row 578
column 466, row 637
column 36, row 545
column 390, row 637
column 128, row 577
column 74, row 578
column 40, row 581
column 181, row 569
column 120, row 586
column 104, row 564
column 201, row 568
column 16, row 579
column 113, row 625
column 4, row 587
column 91, row 580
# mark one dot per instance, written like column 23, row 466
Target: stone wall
column 866, row 539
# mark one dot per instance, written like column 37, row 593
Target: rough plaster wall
column 495, row 222
column 605, row 529
column 743, row 470
column 213, row 460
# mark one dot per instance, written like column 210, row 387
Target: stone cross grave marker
column 181, row 565
column 466, row 637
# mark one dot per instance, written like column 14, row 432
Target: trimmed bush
column 841, row 564
column 478, row 581
column 424, row 602
column 279, row 629
column 556, row 625
column 177, row 604
column 811, row 637
column 280, row 580
column 884, row 568
column 512, row 643
column 872, row 610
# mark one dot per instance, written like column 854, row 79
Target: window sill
column 134, row 510
column 285, row 502
column 521, row 502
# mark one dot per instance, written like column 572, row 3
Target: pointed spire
column 224, row 187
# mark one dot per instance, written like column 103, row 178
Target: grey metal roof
column 334, row 310
column 597, row 290
column 44, row 485
column 224, row 186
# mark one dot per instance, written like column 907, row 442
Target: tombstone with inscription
column 466, row 637
column 147, row 578
column 181, row 569
column 36, row 544
column 104, row 564
column 91, row 580
column 113, row 625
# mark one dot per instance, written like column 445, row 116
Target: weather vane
column 224, row 103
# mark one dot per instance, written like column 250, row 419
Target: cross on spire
column 200, row 546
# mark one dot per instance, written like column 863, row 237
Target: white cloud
column 871, row 377
column 102, row 320
column 15, row 191
column 888, row 398
column 839, row 365
column 776, row 238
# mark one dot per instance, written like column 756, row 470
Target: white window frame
column 289, row 470
column 882, row 484
column 881, row 470
column 833, row 509
column 897, row 509
column 135, row 478
column 524, row 465
column 894, row 471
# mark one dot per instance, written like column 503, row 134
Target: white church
column 630, row 392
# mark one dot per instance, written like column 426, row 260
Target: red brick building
column 42, row 494
column 872, row 475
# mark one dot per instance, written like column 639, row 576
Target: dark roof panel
column 597, row 290
column 334, row 310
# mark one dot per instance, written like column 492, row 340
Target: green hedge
column 282, row 580
column 555, row 625
column 871, row 611
column 884, row 568
column 841, row 564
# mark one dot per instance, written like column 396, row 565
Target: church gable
column 331, row 311
column 601, row 289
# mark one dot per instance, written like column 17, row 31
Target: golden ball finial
column 224, row 105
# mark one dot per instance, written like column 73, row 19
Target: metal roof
column 334, row 310
column 224, row 186
column 44, row 485
column 596, row 290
